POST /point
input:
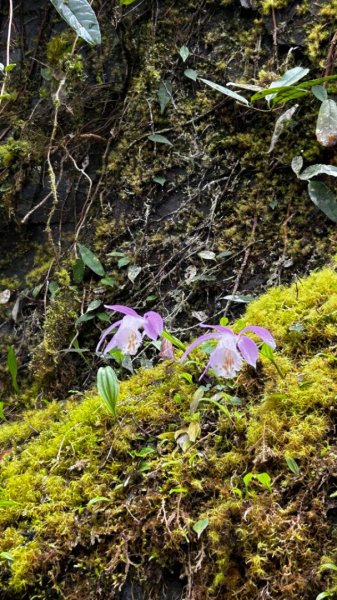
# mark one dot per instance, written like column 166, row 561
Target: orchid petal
column 249, row 350
column 226, row 360
column 220, row 328
column 106, row 333
column 126, row 310
column 153, row 325
column 125, row 339
column 262, row 333
column 198, row 341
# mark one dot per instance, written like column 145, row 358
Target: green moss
column 62, row 457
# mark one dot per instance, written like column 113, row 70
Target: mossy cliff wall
column 92, row 503
column 218, row 190
column 222, row 192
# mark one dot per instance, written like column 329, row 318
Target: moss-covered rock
column 88, row 502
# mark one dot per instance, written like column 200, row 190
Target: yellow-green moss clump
column 87, row 502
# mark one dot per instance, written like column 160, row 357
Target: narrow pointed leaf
column 224, row 90
column 281, row 124
column 91, row 260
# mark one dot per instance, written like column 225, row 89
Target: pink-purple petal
column 219, row 328
column 125, row 310
column 262, row 333
column 249, row 350
column 153, row 325
column 198, row 341
column 106, row 333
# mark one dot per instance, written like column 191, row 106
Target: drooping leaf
column 184, row 53
column 108, row 388
column 90, row 260
column 81, row 18
column 12, row 367
column 164, row 94
column 191, row 74
column 315, row 170
column 159, row 139
column 297, row 164
column 224, row 90
column 245, row 298
column 323, row 595
column 324, row 199
column 326, row 127
column 246, row 86
column 133, row 272
column 200, row 526
column 319, row 92
column 281, row 124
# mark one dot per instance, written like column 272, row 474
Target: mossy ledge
column 91, row 502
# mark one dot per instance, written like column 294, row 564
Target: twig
column 9, row 33
column 330, row 59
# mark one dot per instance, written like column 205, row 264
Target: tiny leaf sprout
column 108, row 388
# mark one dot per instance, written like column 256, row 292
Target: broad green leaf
column 224, row 90
column 12, row 367
column 323, row 595
column 108, row 388
column 184, row 53
column 315, row 170
column 191, row 74
column 164, row 95
column 126, row 2
column 81, row 18
column 10, row 67
column 123, row 262
column 98, row 499
column 90, row 260
column 93, row 305
column 110, row 281
column 326, row 127
column 159, row 139
column 144, row 452
column 78, row 270
column 281, row 124
column 319, row 92
column 265, row 480
column 200, row 526
column 324, row 199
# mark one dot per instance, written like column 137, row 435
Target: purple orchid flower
column 128, row 337
column 232, row 349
